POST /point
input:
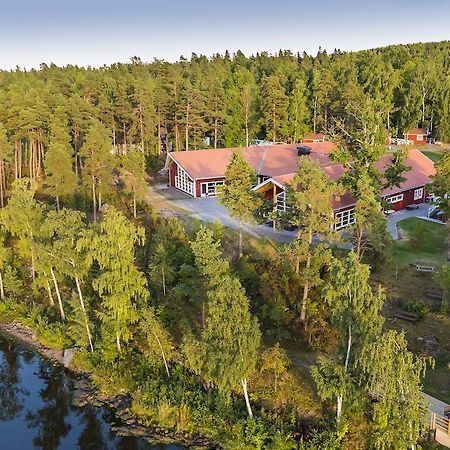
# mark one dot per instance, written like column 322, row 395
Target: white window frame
column 420, row 137
column 280, row 202
column 344, row 219
column 183, row 182
column 211, row 186
column 418, row 194
column 395, row 198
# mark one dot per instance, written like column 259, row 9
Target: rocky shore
column 84, row 393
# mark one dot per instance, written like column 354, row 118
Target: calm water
column 36, row 410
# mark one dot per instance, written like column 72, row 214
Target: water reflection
column 36, row 410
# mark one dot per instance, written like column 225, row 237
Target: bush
column 417, row 308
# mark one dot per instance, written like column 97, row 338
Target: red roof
column 422, row 168
column 280, row 163
column 415, row 131
column 270, row 160
column 314, row 137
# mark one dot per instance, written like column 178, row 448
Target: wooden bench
column 405, row 315
column 435, row 293
column 423, row 268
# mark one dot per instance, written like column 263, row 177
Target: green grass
column 432, row 250
column 435, row 156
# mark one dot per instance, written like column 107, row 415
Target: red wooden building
column 417, row 136
column 317, row 137
column 198, row 173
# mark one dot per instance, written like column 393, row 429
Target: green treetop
column 237, row 194
column 98, row 161
column 120, row 284
column 309, row 198
column 6, row 155
column 60, row 180
column 356, row 313
column 132, row 173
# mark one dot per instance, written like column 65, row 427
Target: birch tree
column 119, row 283
column 23, row 218
column 393, row 378
column 355, row 311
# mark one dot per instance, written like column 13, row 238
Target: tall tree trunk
column 58, row 294
column 247, row 400
column 240, row 239
column 162, row 353
column 57, row 203
column 119, row 348
column 49, row 291
column 163, row 281
column 1, row 183
column 2, row 290
column 86, row 321
column 134, row 203
column 94, row 199
column 315, row 114
column 186, row 131
column 306, row 285
column 340, row 397
column 215, row 132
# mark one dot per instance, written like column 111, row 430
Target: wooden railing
column 439, row 422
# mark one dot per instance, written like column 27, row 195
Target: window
column 418, row 194
column 209, row 189
column 420, row 137
column 344, row 219
column 395, row 198
column 183, row 182
column 280, row 205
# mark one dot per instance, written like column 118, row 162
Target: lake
column 36, row 410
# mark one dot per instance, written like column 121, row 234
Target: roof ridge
column 263, row 159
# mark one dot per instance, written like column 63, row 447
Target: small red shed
column 318, row 137
column 417, row 136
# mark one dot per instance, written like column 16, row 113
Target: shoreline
column 84, row 394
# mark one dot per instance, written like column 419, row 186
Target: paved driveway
column 421, row 212
column 208, row 209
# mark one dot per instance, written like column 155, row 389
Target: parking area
column 208, row 209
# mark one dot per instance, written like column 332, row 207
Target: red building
column 416, row 136
column 318, row 137
column 198, row 173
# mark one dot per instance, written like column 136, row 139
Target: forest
column 250, row 345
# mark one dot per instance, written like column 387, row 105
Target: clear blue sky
column 97, row 32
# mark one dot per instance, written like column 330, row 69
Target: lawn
column 430, row 243
column 434, row 155
column 405, row 285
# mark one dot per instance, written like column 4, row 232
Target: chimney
column 303, row 150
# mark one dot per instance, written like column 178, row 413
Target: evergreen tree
column 237, row 195
column 309, row 198
column 60, row 180
column 132, row 173
column 298, row 111
column 274, row 108
column 97, row 162
column 6, row 153
column 231, row 338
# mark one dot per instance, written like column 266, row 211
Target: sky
column 99, row 32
